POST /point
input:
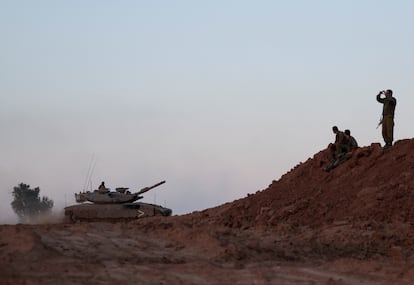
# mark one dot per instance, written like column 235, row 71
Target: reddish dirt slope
column 374, row 185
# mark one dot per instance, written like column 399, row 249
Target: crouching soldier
column 340, row 146
column 338, row 149
column 352, row 143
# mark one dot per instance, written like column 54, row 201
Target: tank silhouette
column 103, row 204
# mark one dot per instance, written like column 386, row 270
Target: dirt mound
column 361, row 209
column 374, row 185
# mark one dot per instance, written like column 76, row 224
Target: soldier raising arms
column 387, row 121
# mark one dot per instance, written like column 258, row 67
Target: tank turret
column 105, row 196
column 103, row 204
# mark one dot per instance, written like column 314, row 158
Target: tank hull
column 113, row 212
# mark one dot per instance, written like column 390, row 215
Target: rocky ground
column 352, row 225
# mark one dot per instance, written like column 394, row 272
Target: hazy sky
column 218, row 98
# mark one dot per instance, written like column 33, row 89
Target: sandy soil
column 353, row 225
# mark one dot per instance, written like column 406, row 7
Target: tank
column 106, row 205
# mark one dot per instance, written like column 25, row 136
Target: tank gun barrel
column 145, row 189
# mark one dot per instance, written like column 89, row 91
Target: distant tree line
column 27, row 203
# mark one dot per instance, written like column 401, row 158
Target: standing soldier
column 387, row 121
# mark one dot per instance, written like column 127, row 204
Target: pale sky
column 218, row 98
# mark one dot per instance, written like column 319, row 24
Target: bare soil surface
column 352, row 225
